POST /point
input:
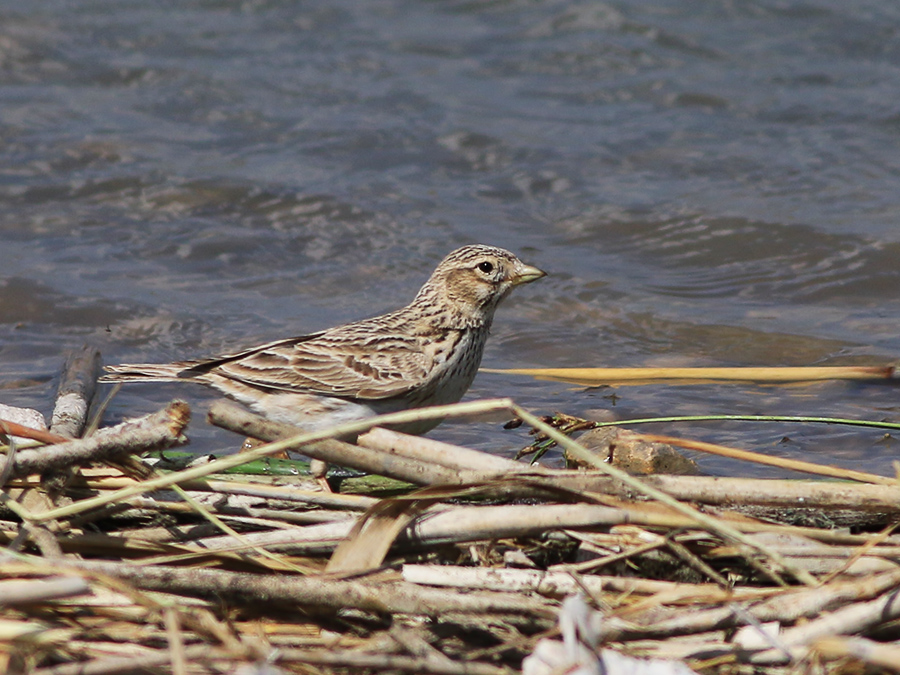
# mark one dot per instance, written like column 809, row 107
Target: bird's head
column 472, row 280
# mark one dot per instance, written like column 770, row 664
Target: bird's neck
column 432, row 316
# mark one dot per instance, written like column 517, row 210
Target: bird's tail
column 146, row 372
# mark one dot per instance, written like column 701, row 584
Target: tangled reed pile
column 115, row 564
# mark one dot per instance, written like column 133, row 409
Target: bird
column 426, row 353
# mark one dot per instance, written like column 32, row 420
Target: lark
column 424, row 354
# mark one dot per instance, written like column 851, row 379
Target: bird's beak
column 526, row 274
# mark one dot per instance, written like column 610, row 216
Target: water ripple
column 701, row 256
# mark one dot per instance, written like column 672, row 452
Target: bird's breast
column 455, row 362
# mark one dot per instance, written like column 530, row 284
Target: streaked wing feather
column 388, row 367
column 193, row 368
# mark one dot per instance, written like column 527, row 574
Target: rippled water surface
column 707, row 183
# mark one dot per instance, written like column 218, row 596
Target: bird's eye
column 485, row 267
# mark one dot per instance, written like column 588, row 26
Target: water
column 707, row 183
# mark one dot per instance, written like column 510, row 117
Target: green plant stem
column 754, row 418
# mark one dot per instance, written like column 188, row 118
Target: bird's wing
column 351, row 366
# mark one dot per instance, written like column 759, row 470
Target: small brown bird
column 426, row 353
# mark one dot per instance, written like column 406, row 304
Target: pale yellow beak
column 526, row 274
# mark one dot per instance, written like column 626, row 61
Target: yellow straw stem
column 592, row 377
column 781, row 462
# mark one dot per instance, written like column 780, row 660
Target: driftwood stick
column 870, row 652
column 45, row 540
column 285, row 493
column 809, row 494
column 316, row 591
column 416, row 645
column 562, row 584
column 847, row 620
column 442, row 525
column 234, row 418
column 389, row 662
column 549, row 584
column 162, row 429
column 813, row 602
column 721, row 491
column 310, row 540
column 25, row 591
column 462, row 524
column 428, row 450
column 116, row 665
column 76, row 390
column 733, row 492
column 15, row 429
column 786, row 608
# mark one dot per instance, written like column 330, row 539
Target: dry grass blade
column 373, row 534
column 781, row 462
column 176, row 643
